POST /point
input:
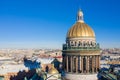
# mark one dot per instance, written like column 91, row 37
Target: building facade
column 81, row 52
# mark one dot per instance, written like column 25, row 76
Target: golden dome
column 80, row 29
column 53, row 70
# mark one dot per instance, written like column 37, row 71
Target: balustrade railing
column 96, row 47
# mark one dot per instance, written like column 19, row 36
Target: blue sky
column 44, row 23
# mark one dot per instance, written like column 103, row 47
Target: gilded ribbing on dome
column 80, row 30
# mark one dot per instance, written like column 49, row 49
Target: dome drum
column 84, row 47
column 78, row 42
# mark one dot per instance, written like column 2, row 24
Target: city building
column 9, row 68
column 81, row 52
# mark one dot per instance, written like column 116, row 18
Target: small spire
column 80, row 16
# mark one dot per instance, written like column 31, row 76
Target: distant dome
column 80, row 29
column 53, row 70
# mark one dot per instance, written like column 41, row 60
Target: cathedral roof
column 80, row 28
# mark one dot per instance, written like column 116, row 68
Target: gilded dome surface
column 80, row 29
column 53, row 70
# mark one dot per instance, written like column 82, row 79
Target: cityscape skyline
column 43, row 24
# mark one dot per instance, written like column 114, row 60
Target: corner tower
column 81, row 53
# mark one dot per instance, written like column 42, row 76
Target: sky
column 44, row 23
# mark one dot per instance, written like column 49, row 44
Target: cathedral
column 81, row 52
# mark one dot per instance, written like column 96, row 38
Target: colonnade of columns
column 81, row 64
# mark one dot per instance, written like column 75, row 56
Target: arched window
column 84, row 43
column 91, row 43
column 75, row 43
column 71, row 43
column 79, row 43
